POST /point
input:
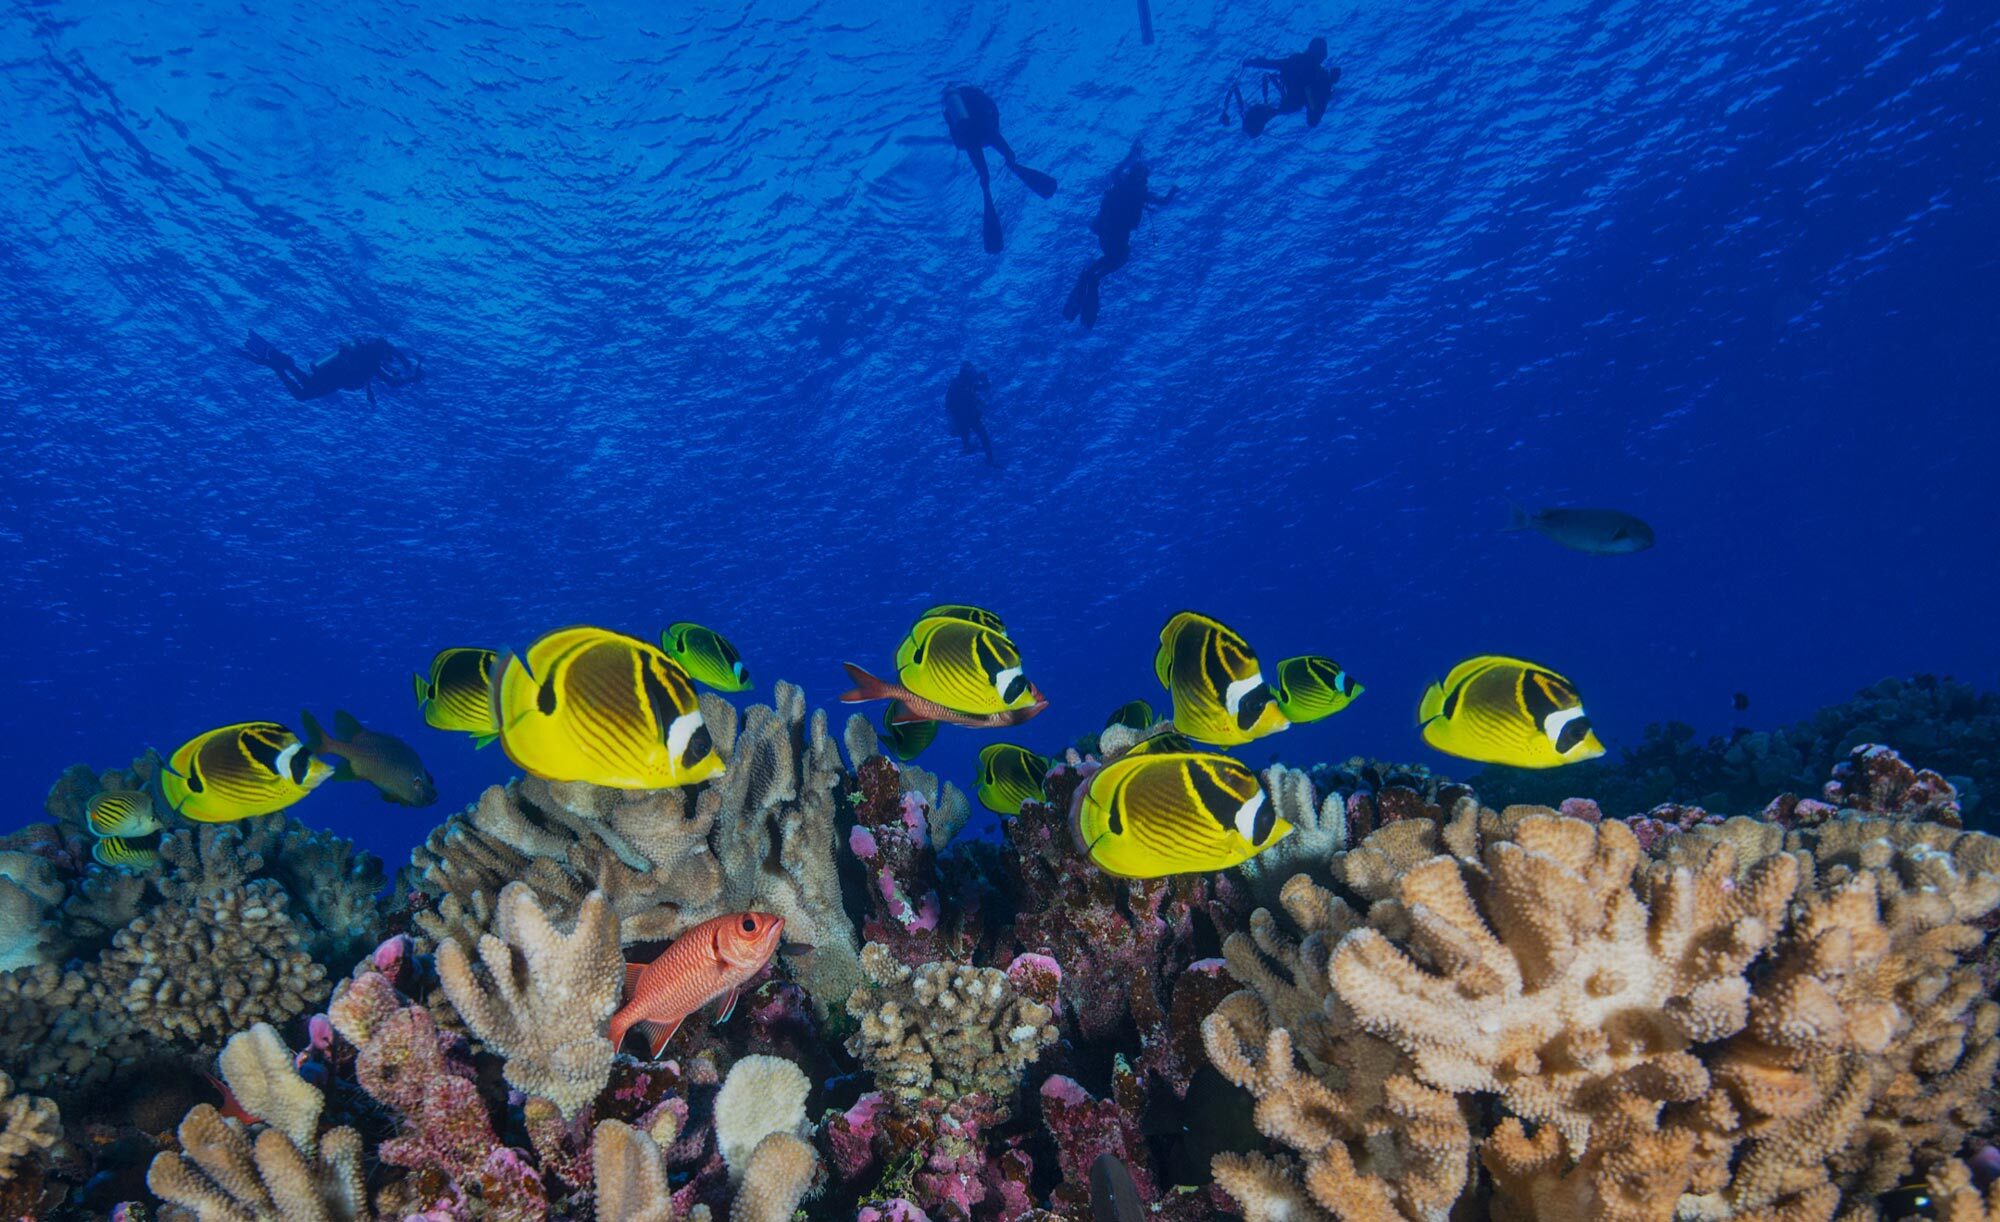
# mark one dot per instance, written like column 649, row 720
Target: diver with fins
column 1118, row 214
column 356, row 365
column 1304, row 81
column 964, row 400
column 974, row 121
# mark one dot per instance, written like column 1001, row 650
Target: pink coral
column 1084, row 1128
column 891, row 839
column 1583, row 808
column 851, row 1135
column 1875, row 779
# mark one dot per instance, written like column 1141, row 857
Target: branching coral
column 202, row 970
column 220, row 1174
column 543, row 996
column 1660, row 1035
column 760, row 837
column 29, row 1126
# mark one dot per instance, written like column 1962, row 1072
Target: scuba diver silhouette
column 1118, row 214
column 1304, row 83
column 356, row 365
column 975, row 127
column 964, row 400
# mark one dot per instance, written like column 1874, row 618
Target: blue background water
column 689, row 279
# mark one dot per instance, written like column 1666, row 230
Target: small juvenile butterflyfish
column 1312, row 687
column 132, row 855
column 1219, row 692
column 238, row 772
column 962, row 666
column 967, row 612
column 706, row 655
column 1505, row 711
column 388, row 763
column 905, row 740
column 1167, row 743
column 458, row 693
column 589, row 704
column 1149, row 816
column 125, row 813
column 1133, row 715
column 1009, row 776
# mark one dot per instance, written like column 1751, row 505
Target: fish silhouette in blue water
column 388, row 763
column 1600, row 532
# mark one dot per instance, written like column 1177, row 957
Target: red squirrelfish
column 712, row 960
column 916, row 708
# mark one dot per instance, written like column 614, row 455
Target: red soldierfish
column 230, row 1107
column 712, row 960
column 916, row 708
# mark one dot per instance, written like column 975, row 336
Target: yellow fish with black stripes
column 1009, row 776
column 1312, row 687
column 707, row 655
column 589, row 704
column 134, row 855
column 1219, row 692
column 1151, row 815
column 1133, row 715
column 121, row 812
column 239, row 772
column 458, row 693
column 1505, row 711
column 905, row 740
column 967, row 612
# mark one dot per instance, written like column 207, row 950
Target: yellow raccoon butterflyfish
column 1133, row 715
column 707, row 655
column 905, row 740
column 589, row 704
column 458, row 693
column 133, row 855
column 238, row 772
column 963, row 667
column 1009, row 776
column 1151, row 815
column 1220, row 695
column 121, row 812
column 967, row 612
column 1166, row 743
column 1505, row 711
column 1313, row 687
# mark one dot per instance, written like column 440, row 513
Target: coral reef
column 543, row 996
column 1939, row 723
column 759, row 837
column 1747, row 1020
column 29, row 1126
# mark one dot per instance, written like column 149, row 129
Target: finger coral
column 28, row 1126
column 220, row 1173
column 762, row 1095
column 543, row 996
column 1750, row 1021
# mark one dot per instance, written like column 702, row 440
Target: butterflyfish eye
column 1015, row 689
column 1574, row 730
column 700, row 743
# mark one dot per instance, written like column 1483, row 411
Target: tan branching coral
column 29, row 1125
column 781, row 1172
column 543, row 995
column 260, row 1073
column 1750, row 1025
column 52, row 1040
column 775, row 839
column 631, row 1175
column 206, row 968
column 219, row 1175
column 944, row 1030
column 1319, row 830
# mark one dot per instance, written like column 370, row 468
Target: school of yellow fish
column 594, row 705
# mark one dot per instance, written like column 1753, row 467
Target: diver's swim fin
column 1036, row 181
column 1078, row 296
column 259, row 349
column 992, row 228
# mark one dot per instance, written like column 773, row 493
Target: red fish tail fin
column 656, row 1036
column 728, row 1006
column 866, row 686
column 620, row 1024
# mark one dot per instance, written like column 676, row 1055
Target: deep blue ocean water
column 688, row 281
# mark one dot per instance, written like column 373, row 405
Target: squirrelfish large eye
column 749, row 924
